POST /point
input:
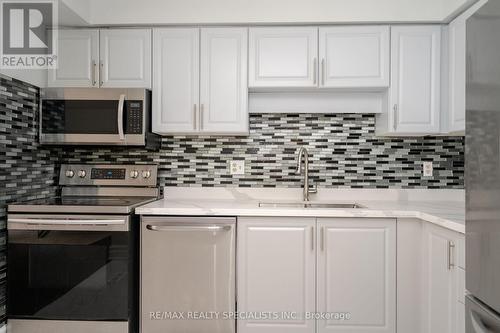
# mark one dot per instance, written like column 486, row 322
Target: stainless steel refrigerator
column 482, row 170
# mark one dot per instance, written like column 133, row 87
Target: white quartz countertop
column 446, row 209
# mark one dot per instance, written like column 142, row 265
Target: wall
column 129, row 12
column 27, row 171
column 344, row 153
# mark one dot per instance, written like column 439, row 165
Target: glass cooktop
column 88, row 201
column 79, row 204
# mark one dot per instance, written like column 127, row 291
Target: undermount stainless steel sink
column 324, row 205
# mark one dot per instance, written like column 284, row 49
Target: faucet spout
column 304, row 155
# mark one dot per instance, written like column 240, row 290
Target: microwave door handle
column 121, row 104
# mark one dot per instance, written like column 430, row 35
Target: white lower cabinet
column 357, row 274
column 354, row 282
column 441, row 280
column 276, row 273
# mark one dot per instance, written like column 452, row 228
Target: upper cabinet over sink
column 326, row 57
column 110, row 58
column 283, row 57
column 354, row 57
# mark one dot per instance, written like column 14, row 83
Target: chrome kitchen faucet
column 303, row 155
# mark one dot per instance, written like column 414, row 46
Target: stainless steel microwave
column 88, row 116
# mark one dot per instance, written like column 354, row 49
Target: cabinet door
column 125, row 58
column 283, row 57
column 224, row 86
column 440, row 280
column 276, row 269
column 356, row 277
column 77, row 59
column 415, row 79
column 456, row 75
column 354, row 56
column 176, row 83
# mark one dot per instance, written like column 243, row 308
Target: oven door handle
column 121, row 104
column 66, row 221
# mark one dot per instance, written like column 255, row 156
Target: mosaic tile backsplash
column 27, row 171
column 344, row 153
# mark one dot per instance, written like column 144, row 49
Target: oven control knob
column 82, row 173
column 70, row 173
column 134, row 174
column 146, row 174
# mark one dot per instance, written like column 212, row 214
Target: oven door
column 93, row 116
column 73, row 268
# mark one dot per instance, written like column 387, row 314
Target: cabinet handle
column 315, row 71
column 451, row 250
column 312, row 238
column 202, row 108
column 322, row 236
column 101, row 71
column 194, row 116
column 395, row 109
column 94, row 73
column 323, row 72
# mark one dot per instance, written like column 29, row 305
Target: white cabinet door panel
column 354, row 56
column 77, row 59
column 357, row 274
column 125, row 56
column 415, row 79
column 283, row 57
column 441, row 280
column 276, row 269
column 176, row 80
column 224, row 85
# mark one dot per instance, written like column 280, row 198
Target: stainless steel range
column 73, row 259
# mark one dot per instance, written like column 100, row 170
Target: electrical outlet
column 237, row 167
column 428, row 169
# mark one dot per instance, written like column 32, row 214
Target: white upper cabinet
column 455, row 72
column 283, row 57
column 78, row 58
column 125, row 58
column 276, row 269
column 176, row 81
column 357, row 274
column 414, row 96
column 354, row 56
column 200, row 82
column 224, row 80
column 456, row 33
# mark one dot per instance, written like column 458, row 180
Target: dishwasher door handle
column 188, row 227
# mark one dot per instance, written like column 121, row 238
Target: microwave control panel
column 134, row 117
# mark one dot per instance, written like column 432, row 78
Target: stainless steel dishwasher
column 187, row 274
